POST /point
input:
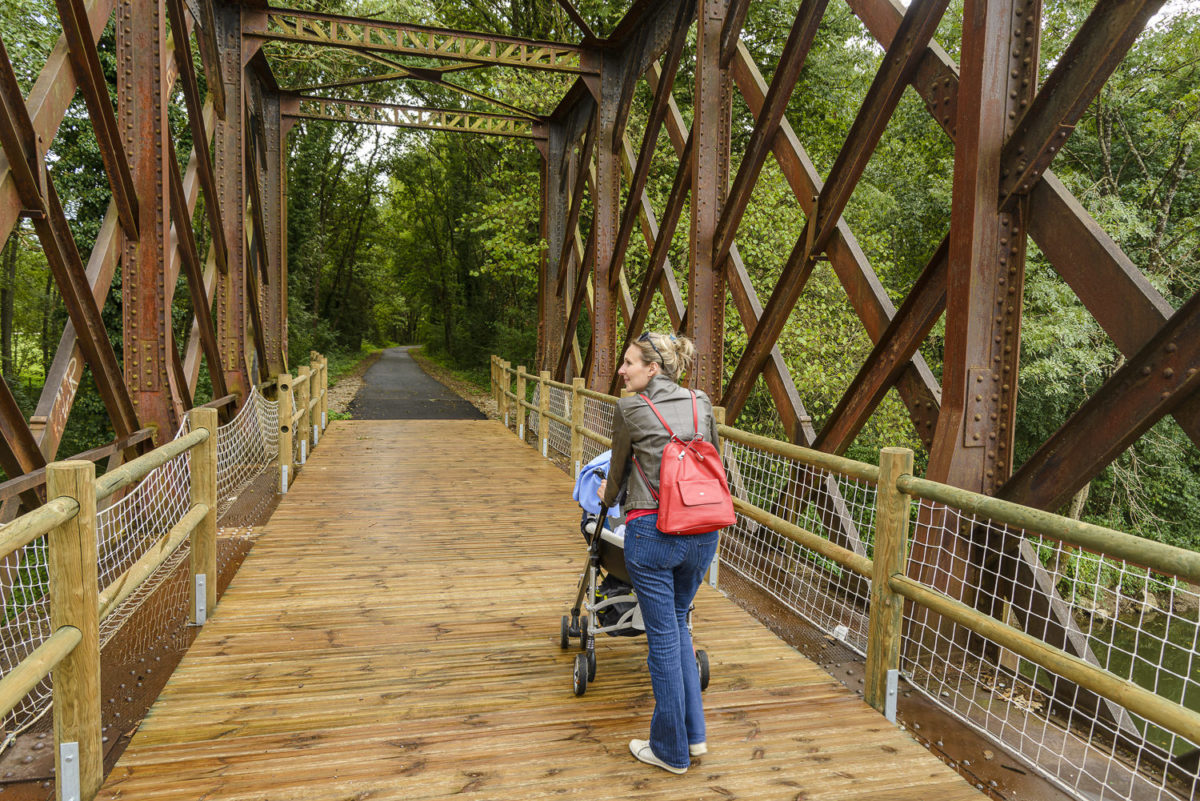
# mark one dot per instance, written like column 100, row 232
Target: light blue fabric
column 589, row 481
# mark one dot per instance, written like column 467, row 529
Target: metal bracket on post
column 323, row 423
column 893, row 687
column 545, row 449
column 68, row 754
column 283, row 479
column 201, row 596
column 303, row 450
column 714, row 569
column 316, row 434
column 521, row 429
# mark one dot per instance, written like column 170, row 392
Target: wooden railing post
column 204, row 536
column 505, row 384
column 714, row 569
column 544, row 412
column 519, row 410
column 324, row 393
column 74, row 601
column 577, row 402
column 302, row 386
column 887, row 607
column 495, row 382
column 286, row 410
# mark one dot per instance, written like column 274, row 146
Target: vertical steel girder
column 274, row 301
column 554, row 210
column 141, row 40
column 710, row 182
column 231, row 288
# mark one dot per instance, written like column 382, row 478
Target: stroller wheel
column 583, row 633
column 580, row 675
column 702, row 665
column 591, row 663
column 565, row 638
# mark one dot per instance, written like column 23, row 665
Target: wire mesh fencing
column 597, row 417
column 126, row 530
column 836, row 507
column 1137, row 625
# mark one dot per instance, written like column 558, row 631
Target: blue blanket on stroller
column 588, row 482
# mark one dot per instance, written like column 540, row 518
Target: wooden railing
column 71, row 653
column 303, row 412
column 896, row 488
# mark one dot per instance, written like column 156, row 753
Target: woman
column 666, row 568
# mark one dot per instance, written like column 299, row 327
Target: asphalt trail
column 395, row 388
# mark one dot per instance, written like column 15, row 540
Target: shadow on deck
column 394, row 635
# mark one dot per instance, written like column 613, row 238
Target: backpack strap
column 670, row 433
column 695, row 413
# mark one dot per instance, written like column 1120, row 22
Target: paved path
column 395, row 388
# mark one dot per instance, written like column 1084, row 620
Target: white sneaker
column 644, row 753
column 698, row 749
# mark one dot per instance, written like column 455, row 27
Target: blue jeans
column 666, row 570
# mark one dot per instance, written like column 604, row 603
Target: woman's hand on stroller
column 600, row 489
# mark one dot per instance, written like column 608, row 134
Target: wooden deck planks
column 394, row 635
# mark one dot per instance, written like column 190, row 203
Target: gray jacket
column 638, row 432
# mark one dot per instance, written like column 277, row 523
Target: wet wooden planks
column 394, row 635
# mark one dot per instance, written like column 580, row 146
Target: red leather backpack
column 693, row 494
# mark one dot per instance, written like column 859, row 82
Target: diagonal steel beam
column 92, row 85
column 899, row 63
column 210, row 58
column 917, row 385
column 1097, row 49
column 658, row 252
column 585, row 158
column 19, row 454
column 577, row 302
column 577, row 18
column 766, row 124
column 190, row 257
column 47, row 104
column 50, row 222
column 892, row 353
column 658, row 112
column 368, row 35
column 191, row 94
column 1148, row 386
column 731, row 33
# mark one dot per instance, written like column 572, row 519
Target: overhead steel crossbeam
column 284, row 25
column 401, row 116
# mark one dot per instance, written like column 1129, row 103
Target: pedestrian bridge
column 394, row 634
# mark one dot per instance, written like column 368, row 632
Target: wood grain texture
column 394, row 635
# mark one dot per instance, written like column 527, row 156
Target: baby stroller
column 605, row 602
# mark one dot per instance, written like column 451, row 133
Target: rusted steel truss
column 352, row 33
column 435, row 119
column 147, row 231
